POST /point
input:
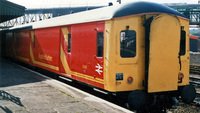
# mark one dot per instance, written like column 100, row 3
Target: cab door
column 164, row 44
column 98, row 62
column 65, row 51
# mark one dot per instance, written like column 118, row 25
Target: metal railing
column 27, row 18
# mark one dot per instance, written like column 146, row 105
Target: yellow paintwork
column 63, row 57
column 47, row 65
column 64, row 61
column 14, row 49
column 185, row 59
column 163, row 54
column 114, row 63
column 88, row 77
column 22, row 58
column 65, row 34
column 40, row 63
column 45, row 57
column 31, row 54
column 37, row 62
column 32, row 36
column 69, row 72
column 135, row 67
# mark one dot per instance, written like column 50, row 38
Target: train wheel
column 137, row 100
column 188, row 94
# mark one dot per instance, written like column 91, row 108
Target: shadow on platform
column 11, row 74
column 8, row 97
column 5, row 109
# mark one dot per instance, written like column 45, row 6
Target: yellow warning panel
column 163, row 53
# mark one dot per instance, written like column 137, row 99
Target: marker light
column 180, row 76
column 130, row 80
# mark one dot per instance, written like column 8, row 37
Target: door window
column 182, row 42
column 100, row 44
column 128, row 43
column 69, row 43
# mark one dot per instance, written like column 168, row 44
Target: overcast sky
column 72, row 3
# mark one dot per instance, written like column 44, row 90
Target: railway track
column 195, row 80
column 195, row 69
column 198, row 95
column 196, row 83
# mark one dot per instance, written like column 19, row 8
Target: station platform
column 26, row 91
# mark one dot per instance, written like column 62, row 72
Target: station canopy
column 9, row 10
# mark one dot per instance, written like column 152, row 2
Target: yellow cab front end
column 147, row 55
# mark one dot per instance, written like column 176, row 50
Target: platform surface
column 24, row 91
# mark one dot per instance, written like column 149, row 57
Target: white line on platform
column 65, row 78
column 82, row 92
column 100, row 91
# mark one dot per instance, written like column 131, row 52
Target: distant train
column 194, row 46
column 139, row 51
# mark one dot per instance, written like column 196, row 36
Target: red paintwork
column 47, row 42
column 194, row 37
column 22, row 45
column 9, row 44
column 65, row 49
column 84, row 49
column 82, row 58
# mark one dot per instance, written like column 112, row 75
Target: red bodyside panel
column 22, row 42
column 47, row 48
column 31, row 48
column 64, row 44
column 9, row 44
column 84, row 51
column 42, row 48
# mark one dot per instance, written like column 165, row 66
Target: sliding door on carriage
column 65, row 50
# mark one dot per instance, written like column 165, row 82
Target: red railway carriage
column 54, row 50
column 123, row 49
column 45, row 45
column 21, row 45
column 9, row 45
